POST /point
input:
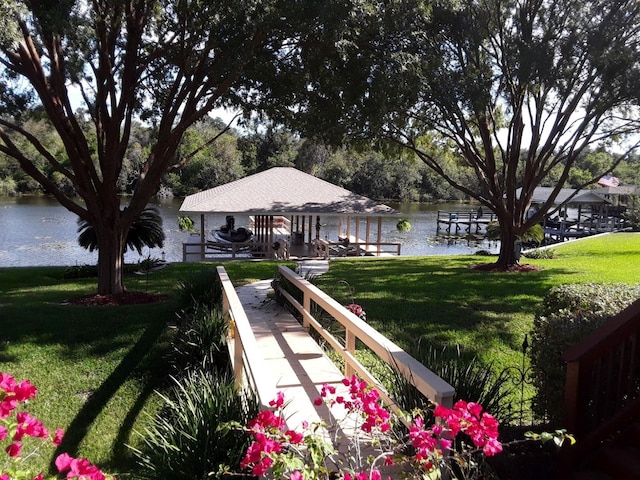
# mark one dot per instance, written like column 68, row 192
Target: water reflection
column 39, row 231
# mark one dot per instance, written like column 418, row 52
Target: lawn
column 441, row 301
column 96, row 367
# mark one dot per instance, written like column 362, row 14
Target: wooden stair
column 617, row 459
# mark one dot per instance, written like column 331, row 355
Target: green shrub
column 569, row 313
column 540, row 253
column 632, row 218
column 201, row 288
column 201, row 340
column 472, row 380
column 188, row 440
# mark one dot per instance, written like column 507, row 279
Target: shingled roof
column 282, row 191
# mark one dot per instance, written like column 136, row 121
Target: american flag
column 609, row 181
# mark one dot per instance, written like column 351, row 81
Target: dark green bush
column 201, row 340
column 201, row 288
column 569, row 313
column 187, row 439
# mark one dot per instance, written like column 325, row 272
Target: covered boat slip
column 584, row 212
column 284, row 208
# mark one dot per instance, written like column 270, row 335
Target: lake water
column 37, row 231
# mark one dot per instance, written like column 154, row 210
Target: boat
column 228, row 234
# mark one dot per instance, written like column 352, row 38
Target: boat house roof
column 541, row 194
column 283, row 191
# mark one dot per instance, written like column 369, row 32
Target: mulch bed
column 125, row 298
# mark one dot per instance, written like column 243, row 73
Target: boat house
column 578, row 213
column 284, row 207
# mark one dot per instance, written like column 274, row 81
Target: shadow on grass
column 90, row 411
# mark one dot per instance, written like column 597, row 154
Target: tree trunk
column 111, row 243
column 509, row 246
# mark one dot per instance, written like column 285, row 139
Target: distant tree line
column 382, row 175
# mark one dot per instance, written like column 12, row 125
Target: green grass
column 442, row 301
column 96, row 367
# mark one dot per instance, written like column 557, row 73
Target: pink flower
column 38, row 477
column 63, row 462
column 296, row 475
column 279, row 401
column 57, row 437
column 25, row 391
column 318, row 401
column 294, row 437
column 492, row 447
column 28, row 425
column 14, row 449
column 3, row 433
column 7, row 382
column 4, row 476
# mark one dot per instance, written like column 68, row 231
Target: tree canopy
column 516, row 90
column 167, row 63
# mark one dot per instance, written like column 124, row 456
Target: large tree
column 515, row 89
column 165, row 62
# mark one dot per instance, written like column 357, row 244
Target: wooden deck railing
column 213, row 251
column 248, row 365
column 602, row 390
column 327, row 249
column 427, row 382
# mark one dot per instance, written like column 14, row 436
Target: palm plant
column 146, row 231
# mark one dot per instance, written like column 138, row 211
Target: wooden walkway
column 296, row 363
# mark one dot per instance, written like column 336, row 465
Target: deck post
column 202, row 237
column 349, row 346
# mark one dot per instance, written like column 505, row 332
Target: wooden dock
column 464, row 221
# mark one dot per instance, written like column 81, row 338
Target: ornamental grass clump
column 187, row 438
column 569, row 313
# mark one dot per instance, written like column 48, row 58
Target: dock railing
column 248, row 365
column 327, row 249
column 426, row 382
column 602, row 389
column 464, row 220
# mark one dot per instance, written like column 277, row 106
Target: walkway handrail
column 427, row 382
column 603, row 374
column 248, row 365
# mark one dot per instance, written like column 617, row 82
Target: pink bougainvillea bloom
column 294, row 437
column 14, row 449
column 279, row 400
column 28, row 425
column 38, row 477
column 318, row 401
column 57, row 437
column 25, row 391
column 4, row 476
column 63, row 462
column 3, row 433
column 296, row 475
column 7, row 382
column 492, row 447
